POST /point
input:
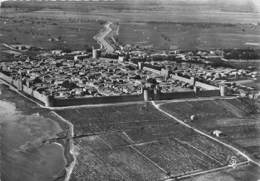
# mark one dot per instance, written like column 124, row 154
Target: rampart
column 208, row 93
column 186, row 94
column 97, row 100
column 50, row 101
column 6, row 78
column 182, row 79
column 191, row 81
column 24, row 89
column 175, row 95
column 152, row 70
column 206, row 86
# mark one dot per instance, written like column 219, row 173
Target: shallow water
column 22, row 130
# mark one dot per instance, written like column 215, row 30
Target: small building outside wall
column 193, row 117
column 217, row 133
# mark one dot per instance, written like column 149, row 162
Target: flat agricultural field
column 246, row 173
column 236, row 118
column 48, row 29
column 164, row 25
column 220, row 11
column 136, row 142
column 166, row 35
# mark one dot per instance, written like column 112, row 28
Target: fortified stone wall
column 176, row 95
column 183, row 79
column 29, row 91
column 206, row 86
column 152, row 70
column 197, row 83
column 208, row 93
column 6, row 78
column 190, row 81
column 52, row 102
column 41, row 97
column 16, row 84
column 97, row 100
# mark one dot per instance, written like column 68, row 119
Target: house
column 217, row 133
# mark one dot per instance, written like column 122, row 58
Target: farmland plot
column 238, row 119
column 136, row 142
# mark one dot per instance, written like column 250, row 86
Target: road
column 132, row 102
column 157, row 106
column 160, row 102
column 100, row 38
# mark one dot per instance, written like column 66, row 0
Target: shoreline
column 67, row 144
column 68, row 148
column 71, row 153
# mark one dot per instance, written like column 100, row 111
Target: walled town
column 82, row 74
column 131, row 90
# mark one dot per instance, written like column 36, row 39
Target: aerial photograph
column 129, row 90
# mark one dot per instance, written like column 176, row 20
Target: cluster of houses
column 72, row 78
column 210, row 75
column 205, row 72
column 85, row 74
column 82, row 76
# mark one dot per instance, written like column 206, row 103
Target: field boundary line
column 162, row 102
column 134, row 102
column 128, row 137
column 173, row 178
column 141, row 154
column 204, row 134
column 95, row 105
column 151, row 161
column 107, row 163
column 202, row 152
column 106, row 143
